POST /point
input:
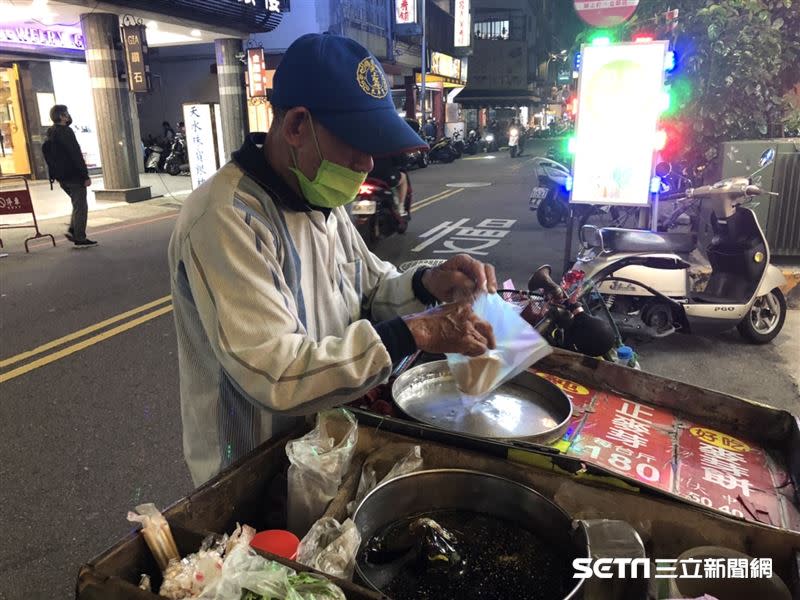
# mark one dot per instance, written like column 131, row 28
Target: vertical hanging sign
column 201, row 134
column 256, row 73
column 463, row 24
column 405, row 12
column 136, row 57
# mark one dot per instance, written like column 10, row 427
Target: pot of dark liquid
column 466, row 535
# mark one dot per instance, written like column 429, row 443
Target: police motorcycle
column 644, row 277
column 376, row 212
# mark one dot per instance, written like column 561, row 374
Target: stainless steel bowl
column 526, row 408
column 458, row 489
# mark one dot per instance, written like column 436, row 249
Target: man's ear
column 295, row 126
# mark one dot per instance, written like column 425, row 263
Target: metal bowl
column 458, row 489
column 526, row 408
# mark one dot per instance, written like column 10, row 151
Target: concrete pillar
column 137, row 133
column 112, row 106
column 232, row 93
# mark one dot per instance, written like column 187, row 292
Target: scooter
column 153, row 156
column 490, row 143
column 458, row 144
column 472, row 143
column 376, row 213
column 645, row 280
column 441, row 150
column 177, row 161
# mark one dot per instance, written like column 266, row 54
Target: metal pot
column 457, row 489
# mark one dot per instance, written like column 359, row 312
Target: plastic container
column 627, row 357
column 278, row 542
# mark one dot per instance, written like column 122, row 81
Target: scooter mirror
column 663, row 169
column 767, row 157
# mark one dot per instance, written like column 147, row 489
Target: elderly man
column 280, row 308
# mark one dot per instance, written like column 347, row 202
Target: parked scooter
column 153, row 156
column 458, row 144
column 441, row 150
column 490, row 142
column 644, row 276
column 178, row 160
column 472, row 144
column 376, row 212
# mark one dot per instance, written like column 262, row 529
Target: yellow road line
column 46, row 360
column 79, row 334
column 434, row 199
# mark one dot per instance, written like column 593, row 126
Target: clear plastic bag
column 518, row 347
column 247, row 576
column 319, row 461
column 330, row 547
column 385, row 464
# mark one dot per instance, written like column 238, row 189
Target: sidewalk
column 54, row 204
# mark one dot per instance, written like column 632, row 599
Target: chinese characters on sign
column 462, row 238
column 133, row 36
column 605, row 13
column 446, row 66
column 50, row 38
column 15, row 202
column 270, row 5
column 405, row 12
column 256, row 73
column 463, row 24
column 200, row 141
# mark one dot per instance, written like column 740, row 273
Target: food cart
column 684, row 467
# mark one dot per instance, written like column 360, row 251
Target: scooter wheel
column 551, row 211
column 765, row 318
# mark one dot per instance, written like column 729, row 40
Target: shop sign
column 605, row 13
column 49, row 38
column 201, row 142
column 405, row 12
column 463, row 24
column 446, row 66
column 136, row 56
column 256, row 74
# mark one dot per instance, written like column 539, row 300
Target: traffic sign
column 605, row 13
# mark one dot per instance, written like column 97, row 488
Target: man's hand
column 460, row 278
column 87, row 183
column 451, row 329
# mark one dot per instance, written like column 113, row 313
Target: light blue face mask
column 333, row 185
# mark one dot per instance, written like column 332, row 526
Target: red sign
column 628, row 438
column 727, row 474
column 256, row 73
column 605, row 13
column 15, row 202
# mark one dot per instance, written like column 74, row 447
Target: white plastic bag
column 385, row 464
column 518, row 347
column 330, row 547
column 319, row 461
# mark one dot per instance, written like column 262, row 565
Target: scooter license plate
column 537, row 195
column 364, row 207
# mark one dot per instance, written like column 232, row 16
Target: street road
column 89, row 410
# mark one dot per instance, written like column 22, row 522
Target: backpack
column 54, row 160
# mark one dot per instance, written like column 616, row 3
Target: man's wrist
column 397, row 337
column 419, row 284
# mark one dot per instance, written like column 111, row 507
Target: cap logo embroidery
column 371, row 79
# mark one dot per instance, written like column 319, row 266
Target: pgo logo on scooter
column 724, row 308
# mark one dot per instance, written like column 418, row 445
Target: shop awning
column 230, row 15
column 475, row 98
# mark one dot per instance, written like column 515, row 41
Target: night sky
column 567, row 23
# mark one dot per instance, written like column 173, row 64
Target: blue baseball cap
column 345, row 88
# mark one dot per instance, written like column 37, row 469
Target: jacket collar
column 250, row 158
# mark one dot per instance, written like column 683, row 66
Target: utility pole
column 424, row 60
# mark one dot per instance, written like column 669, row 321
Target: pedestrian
column 280, row 308
column 430, row 129
column 168, row 133
column 67, row 166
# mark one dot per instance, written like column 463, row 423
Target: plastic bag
column 156, row 533
column 383, row 465
column 330, row 547
column 319, row 461
column 247, row 576
column 518, row 347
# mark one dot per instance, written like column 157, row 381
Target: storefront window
column 13, row 146
column 72, row 87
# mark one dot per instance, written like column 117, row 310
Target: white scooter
column 644, row 277
column 513, row 142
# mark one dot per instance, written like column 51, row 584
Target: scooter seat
column 637, row 240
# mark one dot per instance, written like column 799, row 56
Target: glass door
column 14, row 158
